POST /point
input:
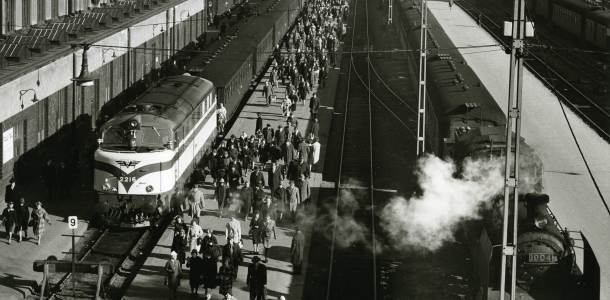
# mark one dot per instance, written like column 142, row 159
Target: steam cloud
column 348, row 230
column 428, row 220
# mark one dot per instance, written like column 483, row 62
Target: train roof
column 174, row 98
column 454, row 100
column 222, row 69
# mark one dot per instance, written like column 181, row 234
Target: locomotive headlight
column 149, row 188
column 133, row 124
column 540, row 222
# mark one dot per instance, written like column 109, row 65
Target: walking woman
column 195, row 264
column 209, row 271
column 39, row 218
column 255, row 230
column 195, row 233
column 9, row 216
column 173, row 268
column 179, row 245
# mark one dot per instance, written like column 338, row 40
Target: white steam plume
column 428, row 220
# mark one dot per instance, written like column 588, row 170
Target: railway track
column 125, row 249
column 354, row 185
column 579, row 100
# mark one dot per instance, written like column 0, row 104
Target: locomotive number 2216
column 127, row 179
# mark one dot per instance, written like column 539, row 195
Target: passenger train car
column 235, row 69
column 580, row 19
column 147, row 150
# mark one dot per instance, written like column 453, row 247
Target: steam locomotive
column 468, row 123
column 149, row 148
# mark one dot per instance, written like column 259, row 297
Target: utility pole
column 511, row 163
column 390, row 11
column 421, row 93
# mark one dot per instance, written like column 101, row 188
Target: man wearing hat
column 257, row 279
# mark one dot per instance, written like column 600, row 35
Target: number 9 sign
column 72, row 222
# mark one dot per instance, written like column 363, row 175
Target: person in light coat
column 173, row 270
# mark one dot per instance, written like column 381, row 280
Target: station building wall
column 118, row 61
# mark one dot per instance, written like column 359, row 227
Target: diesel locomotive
column 149, row 148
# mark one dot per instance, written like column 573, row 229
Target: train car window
column 155, row 137
column 114, row 136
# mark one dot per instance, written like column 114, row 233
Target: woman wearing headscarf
column 173, row 268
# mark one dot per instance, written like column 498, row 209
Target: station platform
column 574, row 199
column 148, row 284
column 17, row 278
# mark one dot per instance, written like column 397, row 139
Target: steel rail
column 338, row 183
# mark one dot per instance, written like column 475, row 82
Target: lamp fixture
column 23, row 92
column 84, row 79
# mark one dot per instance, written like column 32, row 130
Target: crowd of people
column 237, row 166
column 17, row 216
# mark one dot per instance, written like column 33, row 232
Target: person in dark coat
column 268, row 134
column 275, row 176
column 287, row 151
column 179, row 245
column 10, row 192
column 232, row 255
column 209, row 243
column 10, row 218
column 225, row 279
column 257, row 200
column 23, row 217
column 209, row 271
column 234, row 178
column 246, row 199
column 315, row 127
column 294, row 170
column 173, row 268
column 280, row 138
column 257, row 279
column 257, row 177
column 297, row 250
column 259, row 122
column 314, row 105
column 255, row 231
column 221, row 194
column 195, row 265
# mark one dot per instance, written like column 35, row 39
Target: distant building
column 130, row 38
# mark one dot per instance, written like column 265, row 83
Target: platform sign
column 7, row 145
column 73, row 222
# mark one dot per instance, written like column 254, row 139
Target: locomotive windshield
column 146, row 138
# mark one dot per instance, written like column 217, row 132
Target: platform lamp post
column 23, row 92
